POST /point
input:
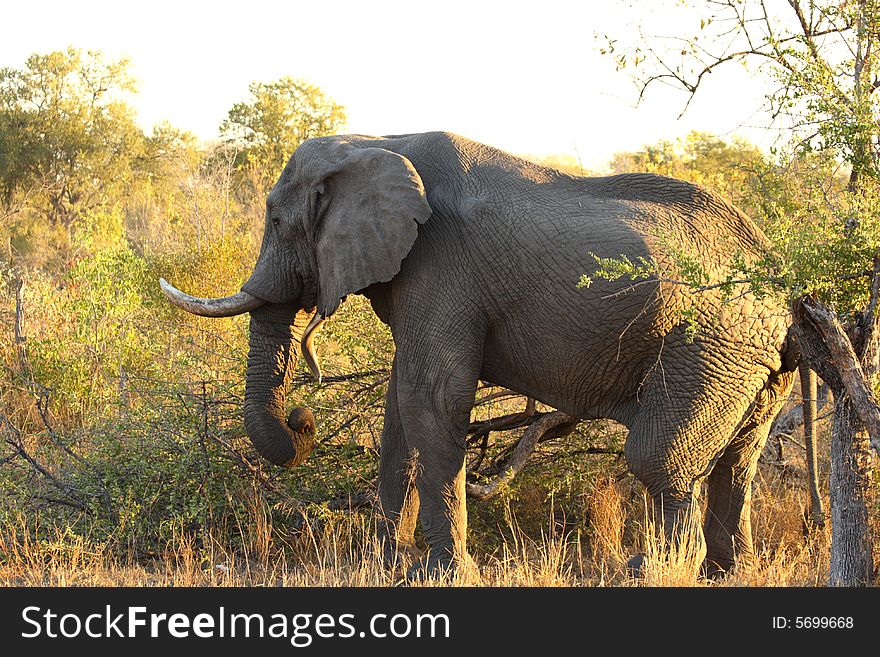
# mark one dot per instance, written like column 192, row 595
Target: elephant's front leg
column 398, row 495
column 435, row 410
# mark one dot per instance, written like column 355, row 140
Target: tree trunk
column 809, row 397
column 848, row 366
column 846, row 356
column 851, row 558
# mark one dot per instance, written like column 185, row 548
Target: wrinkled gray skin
column 472, row 257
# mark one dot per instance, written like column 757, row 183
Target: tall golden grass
column 342, row 551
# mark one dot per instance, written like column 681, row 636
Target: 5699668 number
column 823, row 622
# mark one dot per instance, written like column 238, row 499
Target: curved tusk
column 237, row 304
column 308, row 345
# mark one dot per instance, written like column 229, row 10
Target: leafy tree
column 826, row 257
column 276, row 118
column 67, row 135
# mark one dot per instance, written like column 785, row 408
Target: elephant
column 472, row 257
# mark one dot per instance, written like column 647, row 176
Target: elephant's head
column 342, row 216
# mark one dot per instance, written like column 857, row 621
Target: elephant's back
column 660, row 205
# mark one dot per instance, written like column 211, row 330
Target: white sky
column 523, row 76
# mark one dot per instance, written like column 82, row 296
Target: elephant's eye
column 276, row 220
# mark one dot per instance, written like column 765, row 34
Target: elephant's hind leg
column 674, row 529
column 728, row 527
column 671, row 448
column 672, row 514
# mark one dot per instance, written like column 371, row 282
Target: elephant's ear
column 365, row 222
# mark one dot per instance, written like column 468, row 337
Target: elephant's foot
column 711, row 568
column 717, row 566
column 725, row 553
column 398, row 554
column 434, row 566
column 719, row 559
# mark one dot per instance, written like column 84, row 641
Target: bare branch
column 524, row 448
column 870, row 346
column 339, row 378
column 502, row 423
column 494, row 396
column 15, row 441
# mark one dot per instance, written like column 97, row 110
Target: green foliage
column 613, row 269
column 823, row 234
column 66, row 133
column 102, row 297
column 276, row 119
column 142, row 407
column 76, row 172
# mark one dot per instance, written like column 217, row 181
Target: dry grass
column 342, row 551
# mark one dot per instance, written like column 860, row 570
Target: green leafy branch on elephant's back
column 613, row 269
column 646, row 270
column 684, row 267
column 687, row 269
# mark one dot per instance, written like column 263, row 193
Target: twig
column 339, row 378
column 352, row 501
column 500, row 394
column 19, row 331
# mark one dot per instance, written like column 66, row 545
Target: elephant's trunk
column 274, row 349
